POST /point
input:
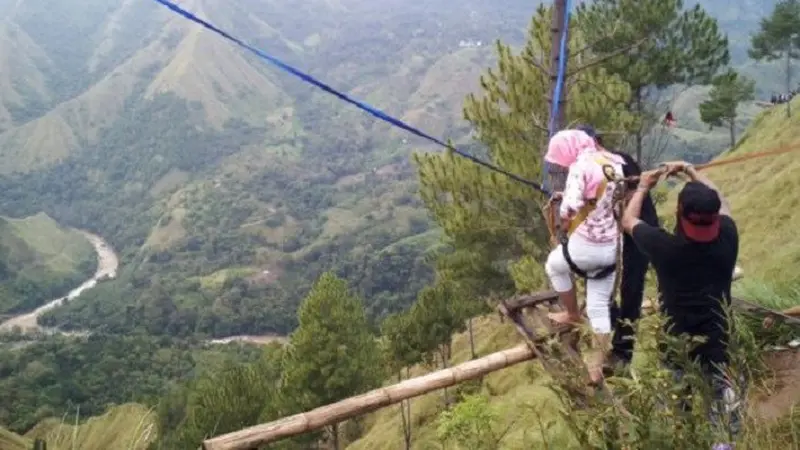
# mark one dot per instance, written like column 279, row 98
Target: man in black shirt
column 694, row 267
column 634, row 268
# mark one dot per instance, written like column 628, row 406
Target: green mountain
column 228, row 186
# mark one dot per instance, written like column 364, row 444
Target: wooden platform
column 529, row 313
column 555, row 345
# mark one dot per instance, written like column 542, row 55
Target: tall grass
column 642, row 408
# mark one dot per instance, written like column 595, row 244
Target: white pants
column 589, row 257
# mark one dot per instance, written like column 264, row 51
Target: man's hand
column 650, row 178
column 675, row 167
column 557, row 197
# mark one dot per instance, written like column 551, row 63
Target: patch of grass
column 125, row 427
column 40, row 261
column 168, row 230
column 215, row 280
column 13, row 441
column 38, row 242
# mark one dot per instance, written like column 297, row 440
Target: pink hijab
column 566, row 145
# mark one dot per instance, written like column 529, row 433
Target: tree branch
column 600, row 91
column 606, row 57
column 535, row 63
column 588, row 47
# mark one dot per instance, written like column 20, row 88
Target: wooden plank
column 253, row 437
column 528, row 334
column 534, row 299
column 746, row 306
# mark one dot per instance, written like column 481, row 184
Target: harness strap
column 605, row 272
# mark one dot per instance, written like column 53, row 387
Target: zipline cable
column 346, row 98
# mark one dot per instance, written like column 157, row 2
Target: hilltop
column 40, row 260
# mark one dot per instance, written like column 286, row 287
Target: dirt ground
column 785, row 393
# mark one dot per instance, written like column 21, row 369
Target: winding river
column 107, row 265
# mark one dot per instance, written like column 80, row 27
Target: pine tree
column 439, row 312
column 232, row 398
column 729, row 89
column 779, row 37
column 402, row 350
column 497, row 220
column 332, row 353
column 653, row 45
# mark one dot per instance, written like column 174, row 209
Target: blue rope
column 562, row 68
column 361, row 105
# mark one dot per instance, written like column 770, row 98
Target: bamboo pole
column 255, row 436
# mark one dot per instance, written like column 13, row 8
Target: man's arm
column 630, row 218
column 631, row 169
column 694, row 175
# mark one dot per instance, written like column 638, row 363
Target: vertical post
column 789, row 75
column 555, row 182
column 557, row 29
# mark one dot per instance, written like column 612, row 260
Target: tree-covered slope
column 228, row 185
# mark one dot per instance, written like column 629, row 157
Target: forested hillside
column 226, row 185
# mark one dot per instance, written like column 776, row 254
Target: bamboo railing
column 315, row 419
column 258, row 435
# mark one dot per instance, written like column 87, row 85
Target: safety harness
column 610, row 177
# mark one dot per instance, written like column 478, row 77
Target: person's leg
column 624, row 316
column 560, row 275
column 598, row 297
column 725, row 411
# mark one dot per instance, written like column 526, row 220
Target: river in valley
column 107, row 266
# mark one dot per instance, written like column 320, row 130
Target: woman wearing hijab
column 590, row 250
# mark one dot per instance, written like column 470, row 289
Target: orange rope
column 738, row 159
column 551, row 216
column 722, row 162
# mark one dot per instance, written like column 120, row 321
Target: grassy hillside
column 40, row 260
column 13, row 441
column 127, row 426
column 762, row 193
